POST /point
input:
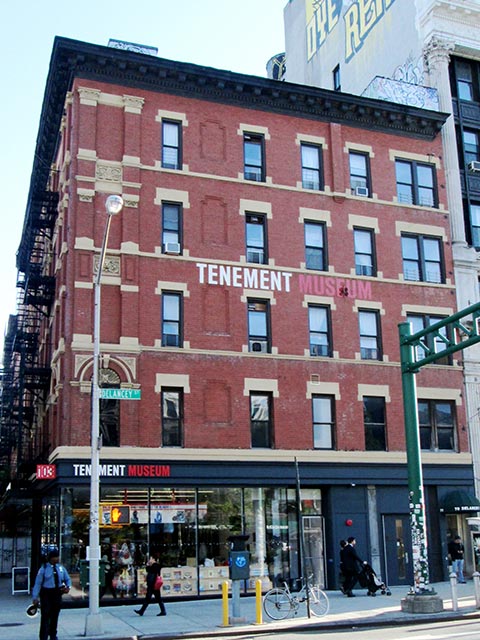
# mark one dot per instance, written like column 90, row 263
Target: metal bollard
column 476, row 586
column 453, row 586
column 258, row 602
column 225, row 622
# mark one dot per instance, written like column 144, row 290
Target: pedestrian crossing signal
column 120, row 515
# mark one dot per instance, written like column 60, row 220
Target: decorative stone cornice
column 108, row 171
column 73, row 59
column 133, row 104
column 437, row 52
column 131, row 200
column 111, row 266
column 89, row 96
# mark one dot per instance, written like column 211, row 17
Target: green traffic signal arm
column 460, row 335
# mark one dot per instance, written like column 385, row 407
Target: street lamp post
column 93, row 623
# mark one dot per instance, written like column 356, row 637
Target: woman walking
column 153, row 589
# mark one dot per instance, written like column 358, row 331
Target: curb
column 292, row 625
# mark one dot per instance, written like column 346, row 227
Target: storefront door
column 314, row 550
column 397, row 549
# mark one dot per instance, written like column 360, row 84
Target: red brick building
column 273, row 237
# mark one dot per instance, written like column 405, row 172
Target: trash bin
column 239, row 558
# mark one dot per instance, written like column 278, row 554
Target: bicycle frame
column 279, row 603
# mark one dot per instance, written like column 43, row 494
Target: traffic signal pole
column 414, row 464
column 438, row 341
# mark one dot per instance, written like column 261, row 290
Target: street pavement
column 204, row 618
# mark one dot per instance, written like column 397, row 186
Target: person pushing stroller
column 351, row 564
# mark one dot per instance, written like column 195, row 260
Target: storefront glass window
column 173, row 518
column 188, row 529
column 50, row 518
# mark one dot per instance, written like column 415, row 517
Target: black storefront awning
column 459, row 502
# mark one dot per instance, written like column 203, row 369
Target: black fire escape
column 26, row 359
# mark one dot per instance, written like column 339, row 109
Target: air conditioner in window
column 361, row 191
column 255, row 255
column 319, row 350
column 474, row 166
column 258, row 346
column 171, row 340
column 172, row 247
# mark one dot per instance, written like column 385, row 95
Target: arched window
column 109, row 410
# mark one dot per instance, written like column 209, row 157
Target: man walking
column 351, row 564
column 456, row 551
column 51, row 583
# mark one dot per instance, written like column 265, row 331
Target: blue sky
column 238, row 35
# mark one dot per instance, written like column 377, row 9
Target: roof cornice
column 75, row 59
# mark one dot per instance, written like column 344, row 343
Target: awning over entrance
column 459, row 502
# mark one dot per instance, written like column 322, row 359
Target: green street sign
column 120, row 394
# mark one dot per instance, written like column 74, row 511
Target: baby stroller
column 369, row 579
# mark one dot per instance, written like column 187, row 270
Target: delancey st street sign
column 120, row 394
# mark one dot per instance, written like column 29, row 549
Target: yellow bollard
column 258, row 601
column 225, row 622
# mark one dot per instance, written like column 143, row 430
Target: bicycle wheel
column 277, row 604
column 319, row 603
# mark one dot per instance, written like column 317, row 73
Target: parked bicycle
column 279, row 603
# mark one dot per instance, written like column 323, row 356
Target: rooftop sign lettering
column 359, row 18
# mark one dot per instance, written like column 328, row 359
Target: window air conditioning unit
column 258, row 346
column 361, row 191
column 255, row 255
column 172, row 247
column 319, row 350
column 474, row 166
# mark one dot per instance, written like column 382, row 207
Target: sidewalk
column 190, row 619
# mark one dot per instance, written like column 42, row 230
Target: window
column 369, row 335
column 415, row 183
column 337, row 86
column 437, row 425
column 319, row 324
column 374, row 423
column 464, row 80
column 315, row 254
column 323, row 422
column 109, row 410
column 258, row 326
column 171, row 226
column 475, row 224
column 420, row 322
column 172, row 320
column 261, row 420
column 359, row 174
column 253, row 157
column 171, row 144
column 364, row 252
column 256, row 238
column 311, row 166
column 422, row 258
column 172, row 417
column 471, row 149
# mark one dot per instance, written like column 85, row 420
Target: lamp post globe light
column 93, row 623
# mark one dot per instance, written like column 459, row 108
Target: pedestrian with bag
column 351, row 565
column 51, row 582
column 456, row 551
column 154, row 585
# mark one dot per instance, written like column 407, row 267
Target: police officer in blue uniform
column 51, row 583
